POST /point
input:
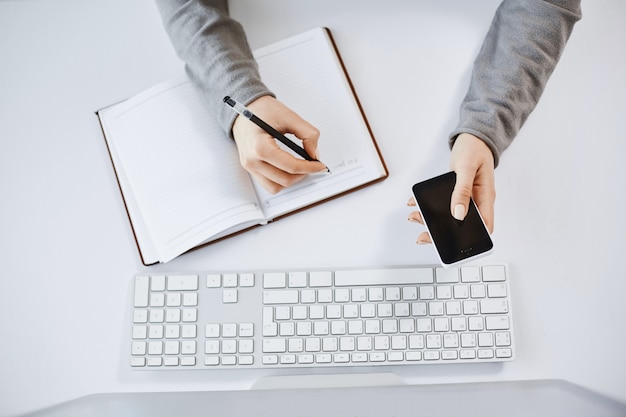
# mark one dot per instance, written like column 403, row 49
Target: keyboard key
column 468, row 340
column 189, row 331
column 140, row 316
column 297, row 279
column 142, row 294
column 213, row 281
column 496, row 290
column 312, row 344
column 157, row 283
column 188, row 347
column 485, row 353
column 467, row 354
column 182, row 282
column 270, row 359
column 287, row 359
column 138, row 348
column 376, row 294
column 373, row 277
column 172, row 331
column 187, row 361
column 346, row 343
column 230, row 296
column 274, row 345
column 246, row 280
column 137, row 362
column 446, row 275
column 342, row 295
column 246, row 346
column 494, row 306
column 230, row 280
column 324, row 296
column 274, row 280
column 229, row 360
column 392, row 293
column 211, row 360
column 212, row 331
column 211, row 346
column 280, row 297
column 172, row 315
column 409, row 293
column 190, row 299
column 189, row 315
column 341, row 358
column 461, row 291
column 295, row 344
column 504, row 353
column 305, row 358
column 246, row 329
column 156, row 316
column 470, row 274
column 320, row 279
column 140, row 332
column 246, row 360
column 485, row 339
column 229, row 330
column 475, row 323
column 449, row 355
column 503, row 339
column 493, row 273
column 173, row 299
column 229, row 346
column 364, row 343
column 458, row 324
column 496, row 323
column 427, row 292
column 407, row 326
column 155, row 361
column 359, row 294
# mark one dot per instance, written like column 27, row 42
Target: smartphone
column 455, row 241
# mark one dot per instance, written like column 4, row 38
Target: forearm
column 217, row 57
column 519, row 53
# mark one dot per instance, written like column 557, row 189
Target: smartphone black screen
column 454, row 240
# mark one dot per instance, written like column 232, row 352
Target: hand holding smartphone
column 455, row 241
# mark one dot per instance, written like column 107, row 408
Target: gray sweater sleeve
column 217, row 57
column 519, row 53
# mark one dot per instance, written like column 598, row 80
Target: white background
column 66, row 249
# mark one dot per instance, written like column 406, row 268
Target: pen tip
column 226, row 99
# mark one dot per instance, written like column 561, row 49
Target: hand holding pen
column 259, row 153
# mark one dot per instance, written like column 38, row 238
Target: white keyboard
column 321, row 318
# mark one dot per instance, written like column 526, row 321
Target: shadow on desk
column 552, row 398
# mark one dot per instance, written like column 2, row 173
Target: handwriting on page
column 345, row 163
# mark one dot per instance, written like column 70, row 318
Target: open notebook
column 179, row 173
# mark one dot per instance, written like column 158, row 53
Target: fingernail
column 421, row 242
column 459, row 212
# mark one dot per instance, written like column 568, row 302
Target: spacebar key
column 395, row 276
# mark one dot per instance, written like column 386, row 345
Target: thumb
column 459, row 202
column 305, row 131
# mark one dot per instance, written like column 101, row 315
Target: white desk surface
column 66, row 249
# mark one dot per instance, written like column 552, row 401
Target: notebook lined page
column 184, row 174
column 321, row 95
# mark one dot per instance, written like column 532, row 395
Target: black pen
column 242, row 110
